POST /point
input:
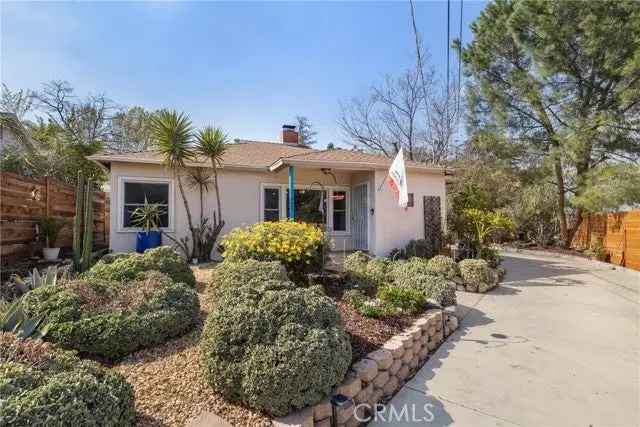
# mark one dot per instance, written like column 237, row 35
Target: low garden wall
column 380, row 375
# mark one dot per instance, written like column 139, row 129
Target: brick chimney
column 290, row 135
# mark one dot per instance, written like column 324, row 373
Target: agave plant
column 36, row 280
column 13, row 319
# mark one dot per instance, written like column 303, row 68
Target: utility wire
column 447, row 45
column 419, row 59
column 459, row 59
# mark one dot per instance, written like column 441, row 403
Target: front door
column 360, row 217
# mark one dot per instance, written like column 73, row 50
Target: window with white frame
column 137, row 192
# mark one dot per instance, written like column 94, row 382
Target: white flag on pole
column 398, row 181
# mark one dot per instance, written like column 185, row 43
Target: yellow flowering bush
column 297, row 245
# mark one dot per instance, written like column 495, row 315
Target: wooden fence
column 24, row 200
column 620, row 234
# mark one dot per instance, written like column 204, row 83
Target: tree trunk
column 189, row 219
column 215, row 184
column 564, row 234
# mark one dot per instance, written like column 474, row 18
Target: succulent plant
column 13, row 319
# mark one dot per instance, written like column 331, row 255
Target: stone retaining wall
column 380, row 375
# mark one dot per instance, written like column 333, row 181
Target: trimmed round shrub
column 443, row 265
column 41, row 385
column 127, row 266
column 435, row 288
column 298, row 246
column 399, row 270
column 113, row 319
column 275, row 347
column 356, row 262
column 247, row 273
column 475, row 272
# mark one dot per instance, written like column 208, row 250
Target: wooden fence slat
column 619, row 232
column 19, row 212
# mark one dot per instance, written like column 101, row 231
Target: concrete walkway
column 556, row 344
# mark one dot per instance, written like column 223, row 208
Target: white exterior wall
column 395, row 226
column 389, row 225
column 240, row 197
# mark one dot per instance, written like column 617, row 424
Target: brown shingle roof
column 272, row 155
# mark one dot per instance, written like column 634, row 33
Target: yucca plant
column 212, row 143
column 172, row 137
column 13, row 319
column 147, row 216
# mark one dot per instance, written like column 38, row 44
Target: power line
column 459, row 58
column 447, row 46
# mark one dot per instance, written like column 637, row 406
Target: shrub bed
column 247, row 273
column 298, row 246
column 113, row 319
column 127, row 266
column 364, row 273
column 381, row 288
column 274, row 347
column 41, row 385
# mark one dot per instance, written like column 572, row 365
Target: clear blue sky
column 248, row 67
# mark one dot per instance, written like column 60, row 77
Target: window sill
column 136, row 230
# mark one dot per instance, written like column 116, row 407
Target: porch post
column 292, row 192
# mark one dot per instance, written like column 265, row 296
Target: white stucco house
column 342, row 189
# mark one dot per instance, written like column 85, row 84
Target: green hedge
column 274, row 347
column 113, row 319
column 44, row 386
column 127, row 266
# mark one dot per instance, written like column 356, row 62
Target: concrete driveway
column 556, row 344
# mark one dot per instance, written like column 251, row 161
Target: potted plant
column 147, row 217
column 50, row 228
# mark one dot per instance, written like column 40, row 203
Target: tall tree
column 305, row 131
column 561, row 82
column 18, row 102
column 172, row 139
column 131, row 130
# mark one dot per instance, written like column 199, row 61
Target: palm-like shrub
column 172, row 138
column 113, row 319
column 127, row 266
column 41, row 385
column 444, row 265
column 298, row 246
column 275, row 347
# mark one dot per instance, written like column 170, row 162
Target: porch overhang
column 351, row 166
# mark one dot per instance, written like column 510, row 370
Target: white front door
column 360, row 217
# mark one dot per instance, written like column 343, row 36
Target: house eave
column 364, row 166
